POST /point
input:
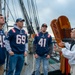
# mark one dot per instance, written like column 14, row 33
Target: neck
column 18, row 27
column 43, row 32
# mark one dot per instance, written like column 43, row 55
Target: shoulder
column 12, row 30
column 37, row 34
column 24, row 32
column 49, row 36
column 2, row 32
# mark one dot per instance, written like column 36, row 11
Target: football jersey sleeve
column 7, row 40
column 50, row 45
column 26, row 38
column 26, row 43
column 34, row 44
column 9, row 35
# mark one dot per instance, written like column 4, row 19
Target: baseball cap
column 44, row 25
column 19, row 19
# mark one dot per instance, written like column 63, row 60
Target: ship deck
column 54, row 66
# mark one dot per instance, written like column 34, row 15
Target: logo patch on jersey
column 1, row 32
column 48, row 35
column 43, row 36
column 13, row 30
column 37, row 34
column 25, row 32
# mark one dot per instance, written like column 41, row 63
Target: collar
column 15, row 26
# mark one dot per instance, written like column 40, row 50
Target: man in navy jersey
column 17, row 46
column 2, row 45
column 42, row 49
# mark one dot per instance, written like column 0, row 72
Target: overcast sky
column 51, row 9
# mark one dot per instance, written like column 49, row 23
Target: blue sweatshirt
column 42, row 44
column 2, row 47
column 16, row 40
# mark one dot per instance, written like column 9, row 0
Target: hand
column 11, row 53
column 48, row 56
column 35, row 55
column 57, row 48
column 62, row 44
column 25, row 53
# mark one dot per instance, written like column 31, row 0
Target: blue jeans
column 16, row 62
column 45, row 65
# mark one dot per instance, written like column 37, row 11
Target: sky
column 49, row 10
column 52, row 9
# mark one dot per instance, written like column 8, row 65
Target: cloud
column 44, row 13
column 39, row 1
column 62, row 1
column 52, row 9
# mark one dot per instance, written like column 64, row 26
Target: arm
column 56, row 48
column 67, row 53
column 26, row 46
column 34, row 45
column 7, row 42
column 50, row 46
column 67, row 45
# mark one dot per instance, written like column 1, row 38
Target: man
column 2, row 45
column 42, row 49
column 69, row 51
column 17, row 46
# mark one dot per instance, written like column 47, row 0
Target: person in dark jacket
column 2, row 45
column 42, row 49
column 17, row 45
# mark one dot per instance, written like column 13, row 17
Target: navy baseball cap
column 20, row 19
column 44, row 25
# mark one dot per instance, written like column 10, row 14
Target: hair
column 73, row 30
column 1, row 15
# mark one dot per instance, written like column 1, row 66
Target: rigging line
column 30, row 8
column 36, row 11
column 14, row 8
column 35, row 15
column 10, row 12
column 35, row 6
column 33, row 10
column 5, row 14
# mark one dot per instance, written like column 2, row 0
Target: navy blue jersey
column 17, row 39
column 42, row 41
column 2, row 47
